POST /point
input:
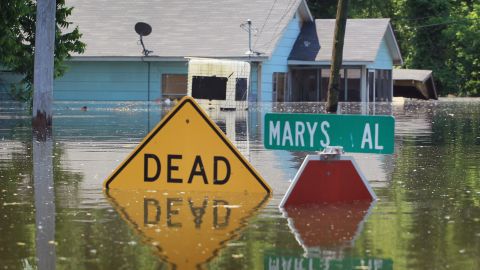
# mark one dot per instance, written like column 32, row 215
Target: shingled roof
column 420, row 75
column 362, row 41
column 183, row 28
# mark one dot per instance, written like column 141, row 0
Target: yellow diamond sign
column 186, row 151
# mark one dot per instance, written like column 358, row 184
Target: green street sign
column 314, row 132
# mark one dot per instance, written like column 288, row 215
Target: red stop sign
column 328, row 181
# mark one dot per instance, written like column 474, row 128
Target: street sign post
column 314, row 132
column 329, row 177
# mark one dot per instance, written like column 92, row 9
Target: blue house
column 289, row 54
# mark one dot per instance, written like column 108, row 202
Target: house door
column 371, row 85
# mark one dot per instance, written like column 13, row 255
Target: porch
column 370, row 51
column 310, row 83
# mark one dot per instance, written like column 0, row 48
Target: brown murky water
column 54, row 214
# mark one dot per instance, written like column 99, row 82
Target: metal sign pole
column 331, row 153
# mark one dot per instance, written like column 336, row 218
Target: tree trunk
column 43, row 66
column 337, row 56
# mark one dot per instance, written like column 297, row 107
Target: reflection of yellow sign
column 186, row 229
column 186, row 151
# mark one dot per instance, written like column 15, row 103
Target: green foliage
column 20, row 93
column 465, row 45
column 327, row 9
column 323, row 9
column 441, row 35
column 17, row 40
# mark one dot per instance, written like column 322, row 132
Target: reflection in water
column 186, row 229
column 234, row 125
column 273, row 262
column 428, row 215
column 44, row 202
column 327, row 229
column 326, row 232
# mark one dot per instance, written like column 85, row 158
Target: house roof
column 362, row 41
column 414, row 83
column 420, row 75
column 186, row 28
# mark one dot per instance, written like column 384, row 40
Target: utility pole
column 249, row 22
column 43, row 66
column 337, row 56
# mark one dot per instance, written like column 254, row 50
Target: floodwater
column 54, row 214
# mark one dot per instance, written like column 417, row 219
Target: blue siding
column 279, row 59
column 116, row 81
column 384, row 59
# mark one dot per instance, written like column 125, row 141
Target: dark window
column 383, row 85
column 305, row 83
column 209, row 87
column 279, row 86
column 325, row 77
column 371, row 85
column 222, row 125
column 353, row 84
column 241, row 89
column 174, row 85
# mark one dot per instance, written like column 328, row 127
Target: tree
column 429, row 46
column 17, row 41
column 323, row 9
column 326, row 9
column 465, row 60
column 441, row 35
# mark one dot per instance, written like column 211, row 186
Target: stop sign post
column 329, row 177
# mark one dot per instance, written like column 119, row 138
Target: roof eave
column 327, row 63
column 396, row 53
column 82, row 58
column 305, row 11
column 160, row 58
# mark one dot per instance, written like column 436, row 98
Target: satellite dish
column 143, row 29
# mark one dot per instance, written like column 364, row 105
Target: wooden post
column 42, row 124
column 337, row 56
column 43, row 66
column 44, row 197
